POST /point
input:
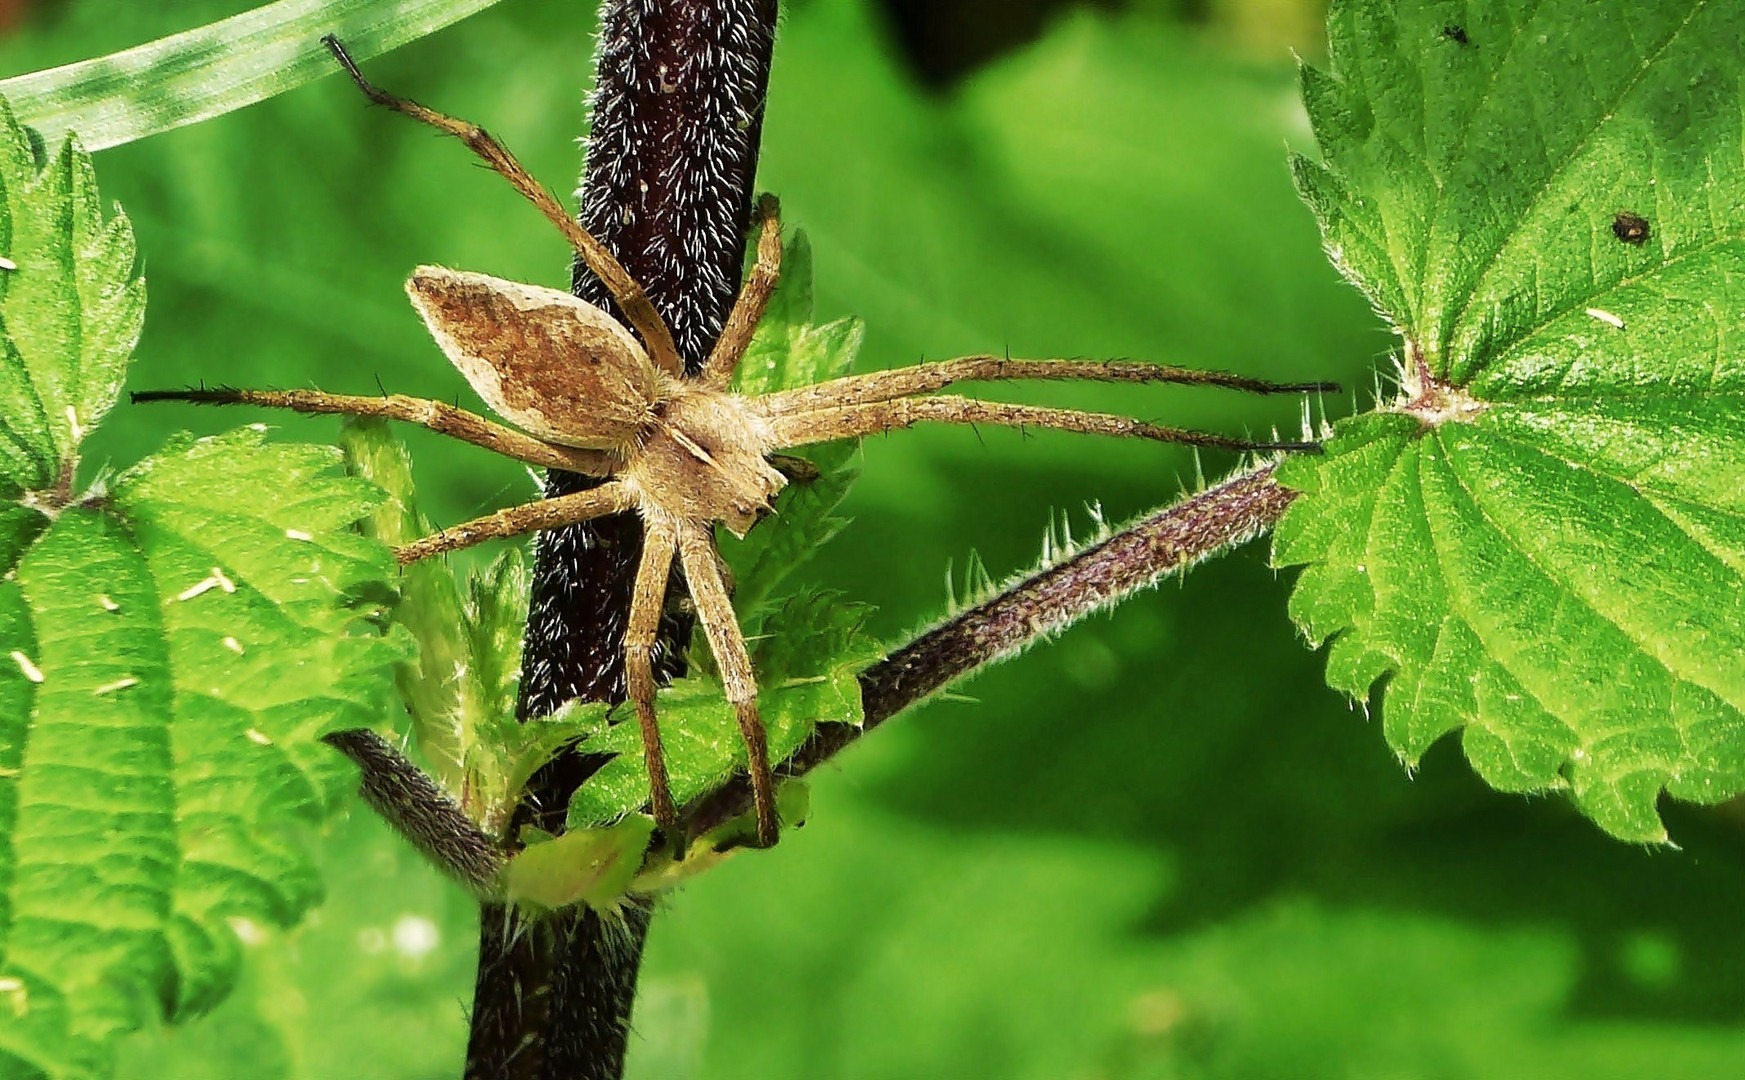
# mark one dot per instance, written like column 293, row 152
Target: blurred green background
column 1157, row 847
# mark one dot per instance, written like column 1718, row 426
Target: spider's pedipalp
column 611, row 497
column 754, row 297
column 660, row 536
column 438, row 416
column 823, row 425
column 733, row 660
column 638, row 309
column 925, row 378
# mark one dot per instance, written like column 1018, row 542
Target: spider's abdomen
column 555, row 366
column 706, row 459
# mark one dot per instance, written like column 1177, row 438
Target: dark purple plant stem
column 1169, row 540
column 677, row 116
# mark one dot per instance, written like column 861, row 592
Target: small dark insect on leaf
column 1630, row 228
column 1456, row 34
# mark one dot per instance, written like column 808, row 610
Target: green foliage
column 582, row 866
column 1159, row 846
column 175, row 639
column 72, row 308
column 460, row 689
column 214, row 69
column 701, row 736
column 1539, row 541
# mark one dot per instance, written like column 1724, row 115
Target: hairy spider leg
column 632, row 300
column 733, row 660
column 825, row 424
column 611, row 497
column 660, row 535
column 438, row 416
column 925, row 378
column 753, row 298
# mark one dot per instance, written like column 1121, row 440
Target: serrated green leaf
column 700, row 734
column 187, row 639
column 1538, row 541
column 462, row 686
column 429, row 605
column 70, row 312
column 807, row 666
column 173, row 643
column 211, row 70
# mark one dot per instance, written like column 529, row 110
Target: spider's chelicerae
column 677, row 448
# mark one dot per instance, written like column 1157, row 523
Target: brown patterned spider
column 679, row 449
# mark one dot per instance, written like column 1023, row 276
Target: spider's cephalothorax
column 706, row 458
column 588, row 394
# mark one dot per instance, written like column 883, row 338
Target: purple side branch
column 418, row 808
column 1167, row 541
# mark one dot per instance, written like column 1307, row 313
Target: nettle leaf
column 71, row 311
column 1541, row 541
column 807, row 670
column 172, row 644
column 461, row 687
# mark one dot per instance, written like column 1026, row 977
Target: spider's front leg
column 632, row 299
column 851, row 421
column 660, row 536
column 733, row 659
column 877, row 386
column 753, row 298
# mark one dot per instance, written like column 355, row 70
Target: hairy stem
column 419, row 809
column 677, row 116
column 1167, row 541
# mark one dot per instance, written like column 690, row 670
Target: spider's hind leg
column 638, row 309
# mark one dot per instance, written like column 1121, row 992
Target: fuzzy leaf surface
column 1541, row 542
column 173, row 641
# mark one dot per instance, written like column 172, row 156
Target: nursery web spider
column 678, row 448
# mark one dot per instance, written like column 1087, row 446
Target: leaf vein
column 1629, row 87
